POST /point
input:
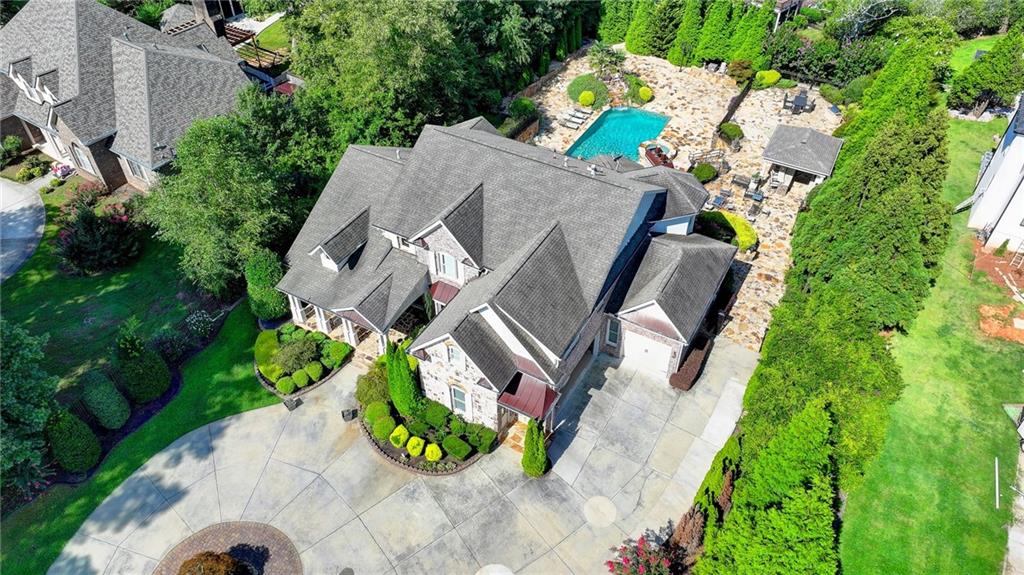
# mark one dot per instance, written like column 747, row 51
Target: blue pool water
column 618, row 131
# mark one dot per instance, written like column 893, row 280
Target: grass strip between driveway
column 216, row 383
column 926, row 504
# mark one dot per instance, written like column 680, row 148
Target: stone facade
column 441, row 240
column 438, row 376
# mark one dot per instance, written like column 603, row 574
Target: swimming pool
column 618, row 131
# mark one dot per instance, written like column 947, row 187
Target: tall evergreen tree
column 405, row 394
column 713, row 45
column 535, row 455
column 687, row 36
column 640, row 36
column 665, row 21
column 748, row 42
column 615, row 17
column 995, row 78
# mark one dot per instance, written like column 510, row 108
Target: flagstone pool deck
column 630, row 455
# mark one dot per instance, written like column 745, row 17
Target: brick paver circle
column 265, row 549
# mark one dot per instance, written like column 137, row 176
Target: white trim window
column 458, row 400
column 81, row 158
column 614, row 332
column 446, row 265
column 455, row 356
column 137, row 171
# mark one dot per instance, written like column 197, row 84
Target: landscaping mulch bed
column 264, row 549
column 298, row 393
column 394, row 456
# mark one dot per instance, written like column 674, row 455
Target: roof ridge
column 446, row 130
column 459, row 202
column 366, row 150
column 345, row 225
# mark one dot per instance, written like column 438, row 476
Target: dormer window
column 446, row 265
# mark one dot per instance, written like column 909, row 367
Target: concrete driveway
column 630, row 455
column 22, row 218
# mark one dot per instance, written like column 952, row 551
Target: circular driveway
column 621, row 464
column 22, row 218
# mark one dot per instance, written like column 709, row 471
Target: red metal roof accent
column 286, row 88
column 443, row 292
column 529, row 367
column 528, row 395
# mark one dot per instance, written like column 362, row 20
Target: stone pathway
column 630, row 455
column 22, row 219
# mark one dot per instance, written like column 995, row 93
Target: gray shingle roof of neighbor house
column 803, row 149
column 73, row 43
column 682, row 275
column 686, row 195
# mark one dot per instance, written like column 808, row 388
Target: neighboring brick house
column 535, row 263
column 97, row 89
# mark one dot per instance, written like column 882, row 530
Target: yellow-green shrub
column 399, row 436
column 434, row 453
column 415, row 446
column 587, row 98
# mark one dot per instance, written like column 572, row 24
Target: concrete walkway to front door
column 22, row 218
column 630, row 455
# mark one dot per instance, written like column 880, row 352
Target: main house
column 997, row 204
column 94, row 88
column 529, row 262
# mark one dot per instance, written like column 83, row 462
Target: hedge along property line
column 380, row 450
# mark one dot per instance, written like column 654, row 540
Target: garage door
column 640, row 351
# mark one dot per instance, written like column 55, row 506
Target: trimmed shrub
column 315, row 370
column 587, row 98
column 301, row 378
column 786, row 84
column 854, row 91
column 103, row 400
column 74, row 445
column 705, row 173
column 295, row 354
column 588, row 83
column 405, row 393
column 265, row 349
column 436, row 414
column 334, row 353
column 456, row 424
column 145, row 377
column 372, row 386
column 415, row 446
column 285, row 385
column 317, row 336
column 485, row 440
column 375, row 411
column 731, row 131
column 456, row 447
column 535, row 455
column 383, row 427
column 744, row 234
column 831, row 93
column 262, row 272
column 645, row 94
column 171, row 344
column 634, row 87
column 399, row 436
column 766, row 79
column 417, row 427
column 433, row 452
column 521, row 108
column 741, row 71
column 473, row 432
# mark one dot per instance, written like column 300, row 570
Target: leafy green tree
column 218, row 205
column 405, row 393
column 665, row 20
column 688, row 34
column 262, row 272
column 964, row 15
column 605, row 60
column 535, row 455
column 995, row 78
column 615, row 17
column 713, row 45
column 640, row 36
column 26, row 403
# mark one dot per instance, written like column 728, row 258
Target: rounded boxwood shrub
column 645, row 93
column 74, row 445
column 103, row 400
column 587, row 98
column 315, row 370
column 436, row 414
column 285, row 385
column 415, row 446
column 705, row 173
column 373, row 386
column 731, row 131
column 375, row 411
column 484, row 440
column 433, row 452
column 521, row 108
column 418, row 427
column 766, row 79
column 456, row 447
column 588, row 83
column 786, row 84
column 146, row 376
column 382, row 427
column 399, row 436
column 335, row 353
column 832, row 94
column 300, row 378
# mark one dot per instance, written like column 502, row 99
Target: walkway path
column 22, row 218
column 630, row 455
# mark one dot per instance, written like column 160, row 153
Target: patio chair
column 741, row 181
column 753, row 212
column 583, row 112
column 567, row 124
column 576, row 114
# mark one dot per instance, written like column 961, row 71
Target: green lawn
column 81, row 314
column 963, row 55
column 926, row 505
column 218, row 382
column 274, row 37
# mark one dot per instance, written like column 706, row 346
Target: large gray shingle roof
column 476, row 337
column 465, row 221
column 71, row 42
column 686, row 195
column 348, row 238
column 803, row 149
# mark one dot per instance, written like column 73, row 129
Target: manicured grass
column 926, row 505
column 963, row 55
column 81, row 314
column 217, row 382
column 275, row 37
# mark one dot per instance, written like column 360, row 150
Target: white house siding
column 999, row 196
column 441, row 240
column 682, row 226
column 438, row 376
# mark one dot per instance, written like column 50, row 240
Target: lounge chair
column 569, row 124
column 583, row 112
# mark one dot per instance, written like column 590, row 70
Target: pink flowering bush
column 640, row 557
column 93, row 238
